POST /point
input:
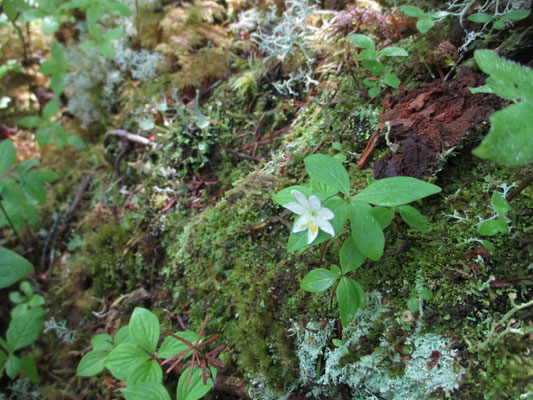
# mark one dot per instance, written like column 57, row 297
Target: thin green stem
column 9, row 221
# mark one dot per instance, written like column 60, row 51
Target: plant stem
column 9, row 221
column 24, row 45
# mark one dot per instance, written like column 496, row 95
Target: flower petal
column 313, row 231
column 300, row 224
column 300, row 198
column 325, row 213
column 325, row 226
column 296, row 208
column 314, row 202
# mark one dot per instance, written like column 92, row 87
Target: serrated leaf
column 25, row 328
column 366, row 231
column 144, row 329
column 7, row 155
column 361, row 41
column 114, row 34
column 102, row 342
column 492, row 227
column 500, row 205
column 392, row 80
column 423, row 25
column 107, row 49
column 350, row 296
column 329, row 171
column 196, row 389
column 374, row 92
column 94, row 13
column 376, row 67
column 146, row 391
column 124, row 359
column 147, row 371
column 92, row 363
column 12, row 267
column 412, row 11
column 413, row 218
column 396, row 191
column 509, row 141
column 172, row 346
column 33, row 187
column 350, row 257
column 480, row 18
column 117, row 8
column 392, row 51
column 318, row 280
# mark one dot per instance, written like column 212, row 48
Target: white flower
column 312, row 215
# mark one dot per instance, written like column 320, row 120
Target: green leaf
column 196, row 388
column 57, row 83
column 87, row 45
column 16, row 297
column 92, row 363
column 413, row 218
column 94, row 13
column 33, row 187
column 374, row 66
column 480, row 18
column 339, row 207
column 144, row 329
column 499, row 25
column 369, row 83
column 383, row 215
column 350, row 296
column 107, row 50
column 500, row 205
column 515, row 15
column 148, row 371
column 396, row 191
column 28, row 368
column 368, row 54
column 50, row 24
column 507, row 78
column 51, row 108
column 350, row 257
column 425, row 24
column 12, row 267
column 7, row 155
column 102, row 342
column 76, row 142
column 374, row 92
column 146, row 391
column 30, row 122
column 318, row 280
column 12, row 366
column 123, row 335
column 509, row 141
column 44, row 175
column 412, row 11
column 361, row 41
column 438, row 15
column 10, row 8
column 492, row 227
column 284, row 196
column 321, row 190
column 124, row 359
column 425, row 294
column 25, row 288
column 32, row 15
column 367, row 233
column 329, row 171
column 392, row 51
column 114, row 34
column 25, row 328
column 392, row 80
column 36, row 301
column 172, row 346
column 413, row 304
column 117, row 8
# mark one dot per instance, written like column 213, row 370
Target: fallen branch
column 241, row 155
column 132, row 137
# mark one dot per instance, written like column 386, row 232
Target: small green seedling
column 425, row 20
column 497, row 224
column 500, row 21
column 25, row 299
column 371, row 60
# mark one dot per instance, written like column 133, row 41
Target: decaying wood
column 132, row 137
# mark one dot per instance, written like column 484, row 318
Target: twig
column 132, row 137
column 368, row 150
column 522, row 186
column 318, row 146
column 241, row 155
